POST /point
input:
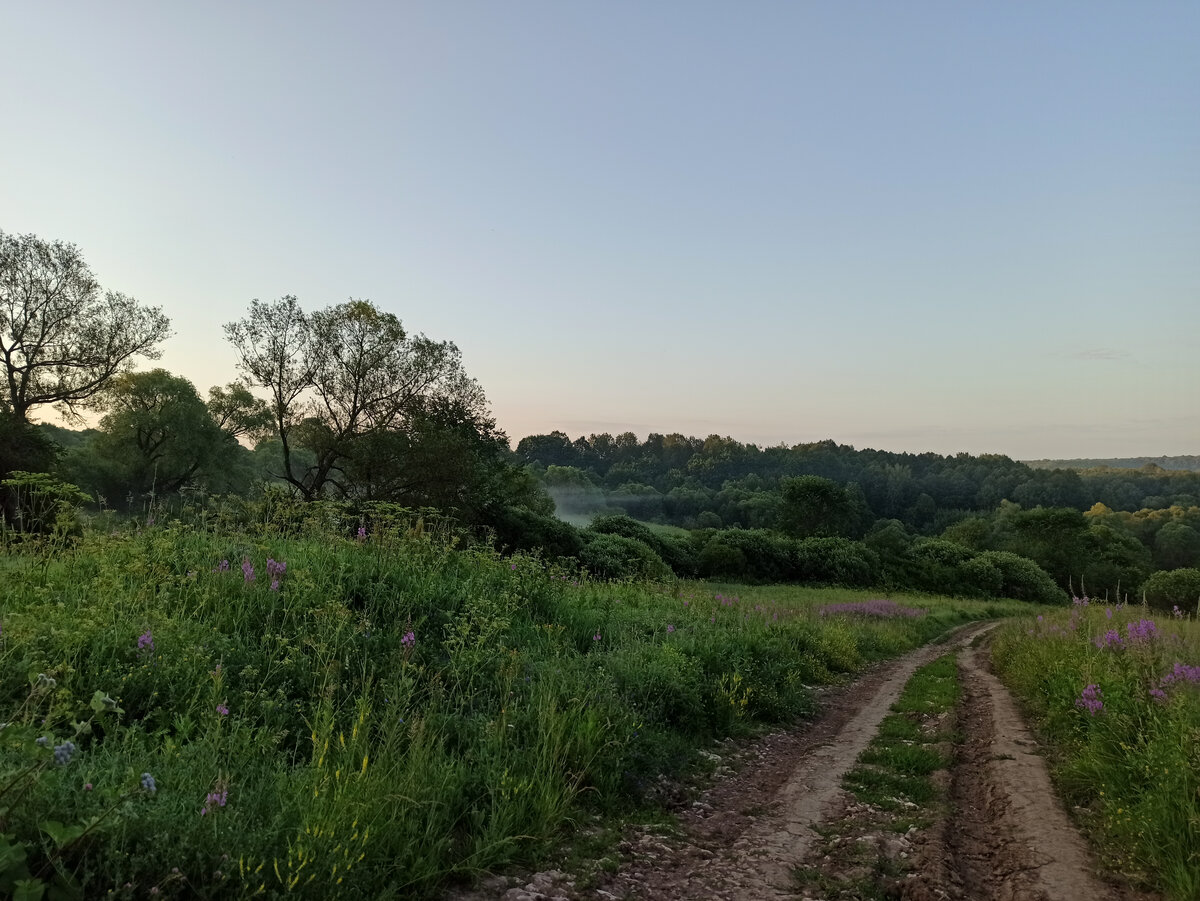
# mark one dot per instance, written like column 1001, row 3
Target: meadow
column 315, row 705
column 1115, row 690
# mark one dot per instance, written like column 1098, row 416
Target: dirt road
column 1005, row 837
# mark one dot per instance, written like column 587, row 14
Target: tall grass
column 377, row 716
column 1116, row 690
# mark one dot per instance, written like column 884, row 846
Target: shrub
column 1024, row 580
column 518, row 529
column 767, row 554
column 719, row 560
column 835, row 561
column 676, row 554
column 1174, row 588
column 618, row 557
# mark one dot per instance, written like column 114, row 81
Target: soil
column 775, row 822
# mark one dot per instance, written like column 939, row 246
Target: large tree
column 342, row 375
column 62, row 338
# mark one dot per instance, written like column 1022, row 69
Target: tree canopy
column 62, row 338
column 343, row 376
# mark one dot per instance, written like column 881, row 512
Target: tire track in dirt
column 1005, row 837
column 748, row 833
column 1008, row 836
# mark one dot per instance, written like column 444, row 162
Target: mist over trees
column 942, row 523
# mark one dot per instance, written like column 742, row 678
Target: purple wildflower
column 596, row 637
column 64, row 752
column 146, row 642
column 1110, row 639
column 880, row 608
column 223, row 710
column 1158, row 694
column 247, row 570
column 409, row 640
column 1091, row 700
column 1182, row 672
column 148, row 783
column 213, row 800
column 1142, row 630
column 362, row 534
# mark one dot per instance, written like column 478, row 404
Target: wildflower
column 1176, row 612
column 274, row 584
column 223, row 710
column 882, row 608
column 670, row 629
column 1142, row 630
column 362, row 534
column 87, row 786
column 247, row 570
column 214, row 799
column 1091, row 700
column 409, row 640
column 1108, row 612
column 1182, row 672
column 1158, row 694
column 64, row 752
column 1110, row 639
column 42, row 741
column 146, row 642
column 276, row 568
column 596, row 637
column 148, row 783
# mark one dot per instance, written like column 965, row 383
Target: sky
column 948, row 226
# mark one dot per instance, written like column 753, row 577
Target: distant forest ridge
column 1176, row 464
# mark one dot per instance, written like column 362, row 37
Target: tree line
column 356, row 406
column 346, row 403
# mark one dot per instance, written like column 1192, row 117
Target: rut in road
column 749, row 833
column 1008, row 836
column 1005, row 836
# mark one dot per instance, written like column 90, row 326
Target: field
column 371, row 714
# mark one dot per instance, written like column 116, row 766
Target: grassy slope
column 396, row 715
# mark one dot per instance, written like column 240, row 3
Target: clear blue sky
column 916, row 226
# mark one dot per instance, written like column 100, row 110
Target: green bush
column 617, row 557
column 1024, row 580
column 518, row 529
column 835, row 561
column 1174, row 588
column 768, row 554
column 719, row 560
column 677, row 554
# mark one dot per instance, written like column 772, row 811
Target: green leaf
column 29, row 890
column 60, row 834
column 102, row 703
column 11, row 855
